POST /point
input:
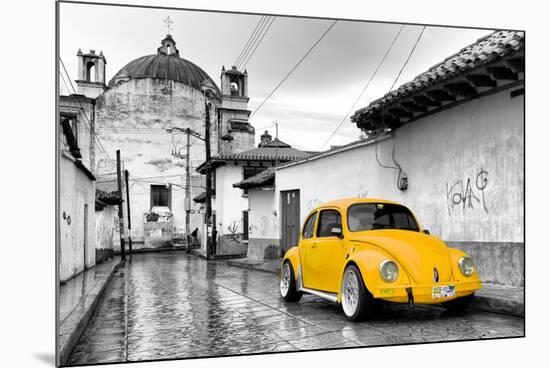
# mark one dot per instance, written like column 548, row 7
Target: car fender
column 368, row 259
column 293, row 255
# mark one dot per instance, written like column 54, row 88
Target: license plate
column 443, row 291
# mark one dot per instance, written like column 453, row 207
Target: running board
column 322, row 294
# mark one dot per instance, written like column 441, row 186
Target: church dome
column 166, row 64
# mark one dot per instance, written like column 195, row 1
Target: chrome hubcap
column 350, row 293
column 285, row 280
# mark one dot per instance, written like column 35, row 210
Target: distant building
column 136, row 111
column 449, row 145
column 231, row 205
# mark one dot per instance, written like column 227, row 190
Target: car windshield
column 374, row 216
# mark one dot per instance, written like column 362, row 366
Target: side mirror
column 337, row 231
column 426, row 231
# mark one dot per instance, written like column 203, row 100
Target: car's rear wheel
column 357, row 301
column 287, row 284
column 459, row 304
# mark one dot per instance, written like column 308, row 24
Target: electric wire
column 364, row 88
column 397, row 166
column 294, row 67
column 260, row 21
column 243, row 66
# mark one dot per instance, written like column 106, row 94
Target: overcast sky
column 315, row 98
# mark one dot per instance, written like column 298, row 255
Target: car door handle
column 314, row 245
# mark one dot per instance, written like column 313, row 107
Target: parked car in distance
column 354, row 251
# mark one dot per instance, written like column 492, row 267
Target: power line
column 243, row 66
column 408, row 58
column 225, row 83
column 252, row 35
column 364, row 88
column 294, row 68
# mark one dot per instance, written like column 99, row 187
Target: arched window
column 168, row 50
column 90, row 72
column 234, row 89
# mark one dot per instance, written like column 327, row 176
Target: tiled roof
column 201, row 198
column 265, row 177
column 266, row 153
column 486, row 50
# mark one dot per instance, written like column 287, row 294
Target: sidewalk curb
column 497, row 305
column 69, row 335
column 481, row 302
column 248, row 266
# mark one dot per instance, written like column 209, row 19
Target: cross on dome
column 168, row 22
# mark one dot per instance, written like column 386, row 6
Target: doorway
column 290, row 218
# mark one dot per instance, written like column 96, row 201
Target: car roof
column 346, row 202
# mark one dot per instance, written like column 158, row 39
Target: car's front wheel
column 287, row 284
column 459, row 304
column 357, row 301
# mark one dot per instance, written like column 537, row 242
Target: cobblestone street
column 171, row 305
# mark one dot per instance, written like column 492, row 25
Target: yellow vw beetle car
column 355, row 251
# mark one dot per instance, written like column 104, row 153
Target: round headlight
column 389, row 271
column 466, row 266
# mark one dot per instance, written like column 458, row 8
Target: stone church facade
column 137, row 111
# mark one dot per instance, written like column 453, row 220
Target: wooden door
column 290, row 218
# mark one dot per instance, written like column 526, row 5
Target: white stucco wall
column 263, row 216
column 478, row 140
column 263, row 224
column 229, row 205
column 76, row 190
column 466, row 177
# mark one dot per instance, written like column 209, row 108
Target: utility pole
column 120, row 210
column 209, row 223
column 188, row 194
column 126, row 175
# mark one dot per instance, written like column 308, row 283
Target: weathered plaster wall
column 76, row 189
column 133, row 117
column 264, row 220
column 465, row 171
column 229, row 205
column 105, row 221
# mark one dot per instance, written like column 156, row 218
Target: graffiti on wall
column 469, row 193
column 233, row 230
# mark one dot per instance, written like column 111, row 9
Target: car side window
column 309, row 227
column 327, row 220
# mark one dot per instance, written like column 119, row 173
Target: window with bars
column 161, row 196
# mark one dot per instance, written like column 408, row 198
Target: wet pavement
column 172, row 305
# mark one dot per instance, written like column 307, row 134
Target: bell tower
column 237, row 134
column 91, row 73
